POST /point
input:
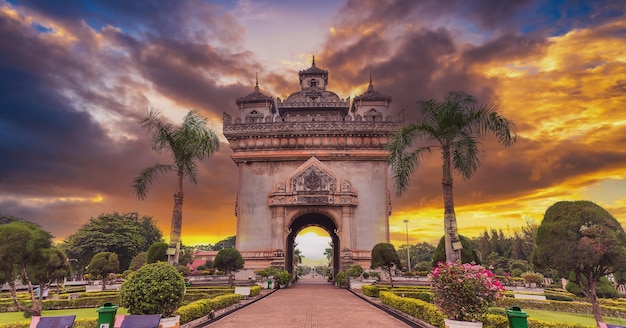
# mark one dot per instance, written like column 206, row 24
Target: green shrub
column 200, row 308
column 354, row 271
column 282, row 278
column 154, row 288
column 533, row 277
column 422, row 310
column 604, row 289
column 341, row 279
column 558, row 297
column 255, row 290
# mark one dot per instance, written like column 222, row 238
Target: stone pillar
column 348, row 229
column 278, row 227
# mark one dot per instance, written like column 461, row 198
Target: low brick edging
column 406, row 318
column 219, row 314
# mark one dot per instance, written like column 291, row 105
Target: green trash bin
column 106, row 315
column 517, row 317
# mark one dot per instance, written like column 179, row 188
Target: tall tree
column 187, row 143
column 228, row 242
column 123, row 234
column 24, row 253
column 583, row 238
column 384, row 256
column 230, row 261
column 102, row 265
column 454, row 126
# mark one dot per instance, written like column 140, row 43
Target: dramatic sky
column 76, row 77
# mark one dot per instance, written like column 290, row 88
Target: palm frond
column 466, row 152
column 159, row 131
column 143, row 181
column 402, row 158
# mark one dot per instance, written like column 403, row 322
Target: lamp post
column 408, row 247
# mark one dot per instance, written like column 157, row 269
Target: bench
column 73, row 296
column 243, row 291
column 137, row 321
column 66, row 321
column 608, row 325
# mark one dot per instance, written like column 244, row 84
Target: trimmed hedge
column 85, row 302
column 424, row 296
column 560, row 306
column 422, row 310
column 198, row 309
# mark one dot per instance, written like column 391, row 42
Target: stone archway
column 312, row 159
column 318, row 220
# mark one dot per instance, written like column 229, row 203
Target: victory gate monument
column 313, row 159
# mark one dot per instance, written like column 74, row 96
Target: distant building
column 200, row 258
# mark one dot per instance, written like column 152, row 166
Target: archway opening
column 313, row 220
column 313, row 252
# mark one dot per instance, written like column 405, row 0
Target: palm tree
column 188, row 143
column 454, row 126
column 297, row 257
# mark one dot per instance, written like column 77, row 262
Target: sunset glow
column 76, row 80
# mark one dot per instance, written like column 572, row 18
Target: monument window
column 313, row 83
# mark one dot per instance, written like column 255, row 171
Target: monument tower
column 313, row 159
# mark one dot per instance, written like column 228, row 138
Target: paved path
column 309, row 303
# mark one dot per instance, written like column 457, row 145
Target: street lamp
column 408, row 254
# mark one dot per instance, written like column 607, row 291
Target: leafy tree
column 422, row 252
column 468, row 254
column 138, row 261
column 384, row 256
column 186, row 255
column 583, row 238
column 419, row 253
column 157, row 252
column 4, row 219
column 454, row 126
column 102, row 264
column 53, row 266
column 188, row 143
column 354, row 271
column 604, row 289
column 123, row 234
column 328, row 252
column 297, row 257
column 228, row 260
column 22, row 250
column 141, row 295
column 228, row 242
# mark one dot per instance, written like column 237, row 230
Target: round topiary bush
column 156, row 288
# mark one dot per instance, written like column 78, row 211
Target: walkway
column 309, row 303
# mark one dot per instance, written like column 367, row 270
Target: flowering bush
column 464, row 292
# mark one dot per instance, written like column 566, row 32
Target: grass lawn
column 564, row 317
column 90, row 313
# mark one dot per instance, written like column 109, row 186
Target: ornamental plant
column 464, row 292
column 156, row 288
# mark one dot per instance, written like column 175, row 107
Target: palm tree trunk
column 177, row 222
column 451, row 233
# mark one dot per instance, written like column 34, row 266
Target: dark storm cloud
column 57, row 155
column 506, row 47
column 191, row 20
